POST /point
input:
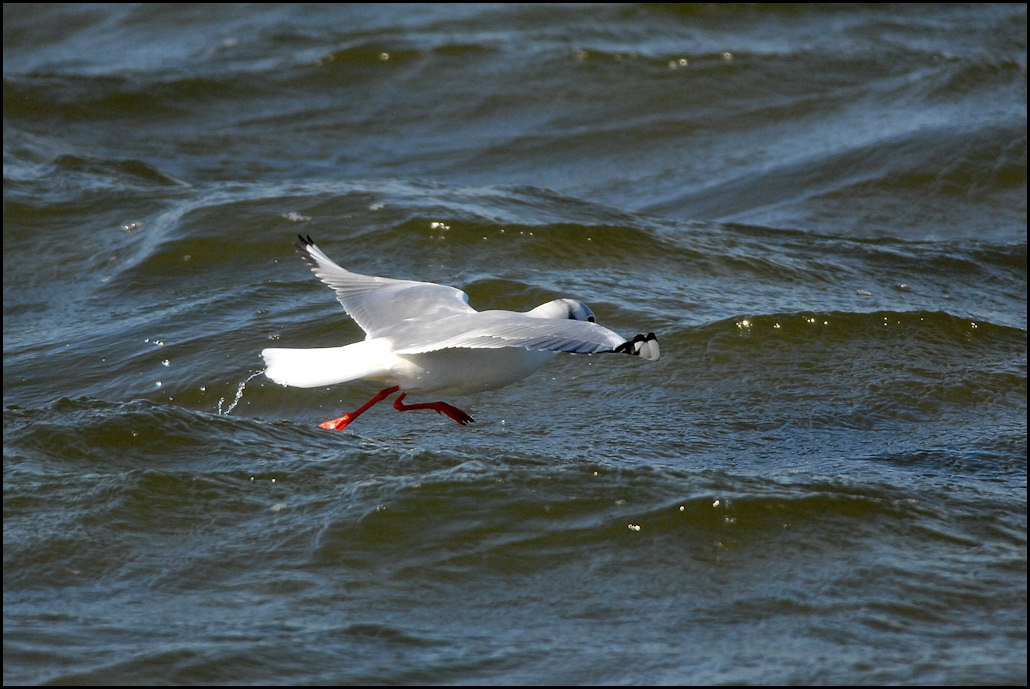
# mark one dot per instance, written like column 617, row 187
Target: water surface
column 820, row 210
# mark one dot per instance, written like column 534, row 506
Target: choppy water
column 820, row 210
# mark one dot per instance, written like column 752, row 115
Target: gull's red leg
column 340, row 423
column 439, row 407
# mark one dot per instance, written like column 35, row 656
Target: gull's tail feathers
column 312, row 368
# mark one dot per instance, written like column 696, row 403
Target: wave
column 919, row 327
column 142, row 460
column 122, row 472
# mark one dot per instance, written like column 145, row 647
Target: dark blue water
column 821, row 210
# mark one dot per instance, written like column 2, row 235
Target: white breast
column 468, row 370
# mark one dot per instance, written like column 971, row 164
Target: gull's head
column 562, row 309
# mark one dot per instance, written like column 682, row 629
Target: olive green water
column 820, row 210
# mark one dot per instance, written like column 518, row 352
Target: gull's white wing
column 419, row 317
column 496, row 329
column 379, row 304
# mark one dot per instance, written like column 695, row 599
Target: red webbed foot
column 337, row 424
column 439, row 407
column 340, row 423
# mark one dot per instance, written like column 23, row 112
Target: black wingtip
column 645, row 346
column 301, row 245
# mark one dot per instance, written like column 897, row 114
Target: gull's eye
column 590, row 318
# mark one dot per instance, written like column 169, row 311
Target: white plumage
column 421, row 336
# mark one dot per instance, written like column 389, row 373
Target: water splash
column 239, row 395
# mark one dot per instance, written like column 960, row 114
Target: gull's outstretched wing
column 418, row 317
column 378, row 304
column 496, row 329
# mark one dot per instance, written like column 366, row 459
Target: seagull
column 424, row 337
